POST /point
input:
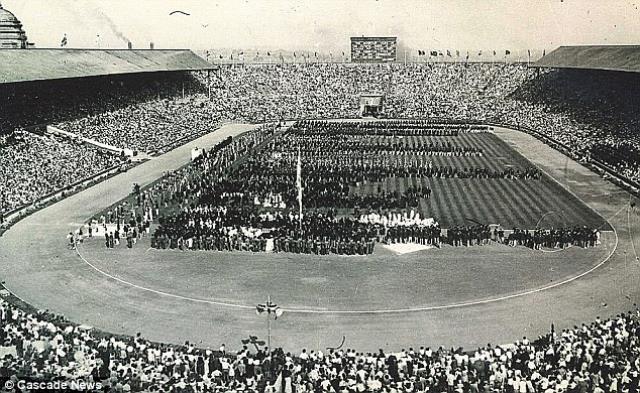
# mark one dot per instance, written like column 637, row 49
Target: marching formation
column 244, row 194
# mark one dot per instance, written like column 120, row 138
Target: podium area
column 371, row 105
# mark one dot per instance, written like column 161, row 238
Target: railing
column 70, row 135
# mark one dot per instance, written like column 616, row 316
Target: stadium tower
column 11, row 33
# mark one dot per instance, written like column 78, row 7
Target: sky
column 326, row 25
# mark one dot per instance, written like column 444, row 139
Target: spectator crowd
column 600, row 357
column 33, row 166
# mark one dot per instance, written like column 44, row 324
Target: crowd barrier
column 100, row 145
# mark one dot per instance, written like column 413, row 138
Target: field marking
column 516, row 147
column 295, row 310
column 612, row 217
column 554, row 251
column 163, row 293
column 633, row 245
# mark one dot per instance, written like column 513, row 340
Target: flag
column 299, row 183
column 448, row 53
column 434, row 53
column 278, row 385
column 294, row 54
column 494, row 53
column 270, row 308
column 507, row 52
column 457, row 53
column 64, row 41
column 221, row 57
column 268, row 53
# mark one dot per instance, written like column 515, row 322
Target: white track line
column 633, row 245
column 214, row 302
column 364, row 312
column 554, row 251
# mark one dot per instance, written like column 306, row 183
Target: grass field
column 521, row 203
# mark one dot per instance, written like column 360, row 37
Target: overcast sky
column 326, row 25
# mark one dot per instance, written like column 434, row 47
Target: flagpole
column 299, row 186
column 269, row 325
column 269, row 308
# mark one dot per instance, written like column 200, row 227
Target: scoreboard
column 373, row 49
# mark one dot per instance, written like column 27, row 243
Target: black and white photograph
column 320, row 196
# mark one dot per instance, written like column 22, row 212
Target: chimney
column 151, row 45
column 129, row 45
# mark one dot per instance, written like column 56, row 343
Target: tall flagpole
column 299, row 186
column 268, row 309
column 269, row 326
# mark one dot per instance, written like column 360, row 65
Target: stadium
column 442, row 221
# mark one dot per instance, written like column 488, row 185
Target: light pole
column 269, row 308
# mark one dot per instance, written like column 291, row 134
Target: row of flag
column 435, row 53
column 299, row 184
column 280, row 55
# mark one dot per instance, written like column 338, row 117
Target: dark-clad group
column 553, row 238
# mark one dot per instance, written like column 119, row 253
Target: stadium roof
column 363, row 38
column 624, row 58
column 23, row 65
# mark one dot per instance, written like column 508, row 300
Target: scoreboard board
column 373, row 49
